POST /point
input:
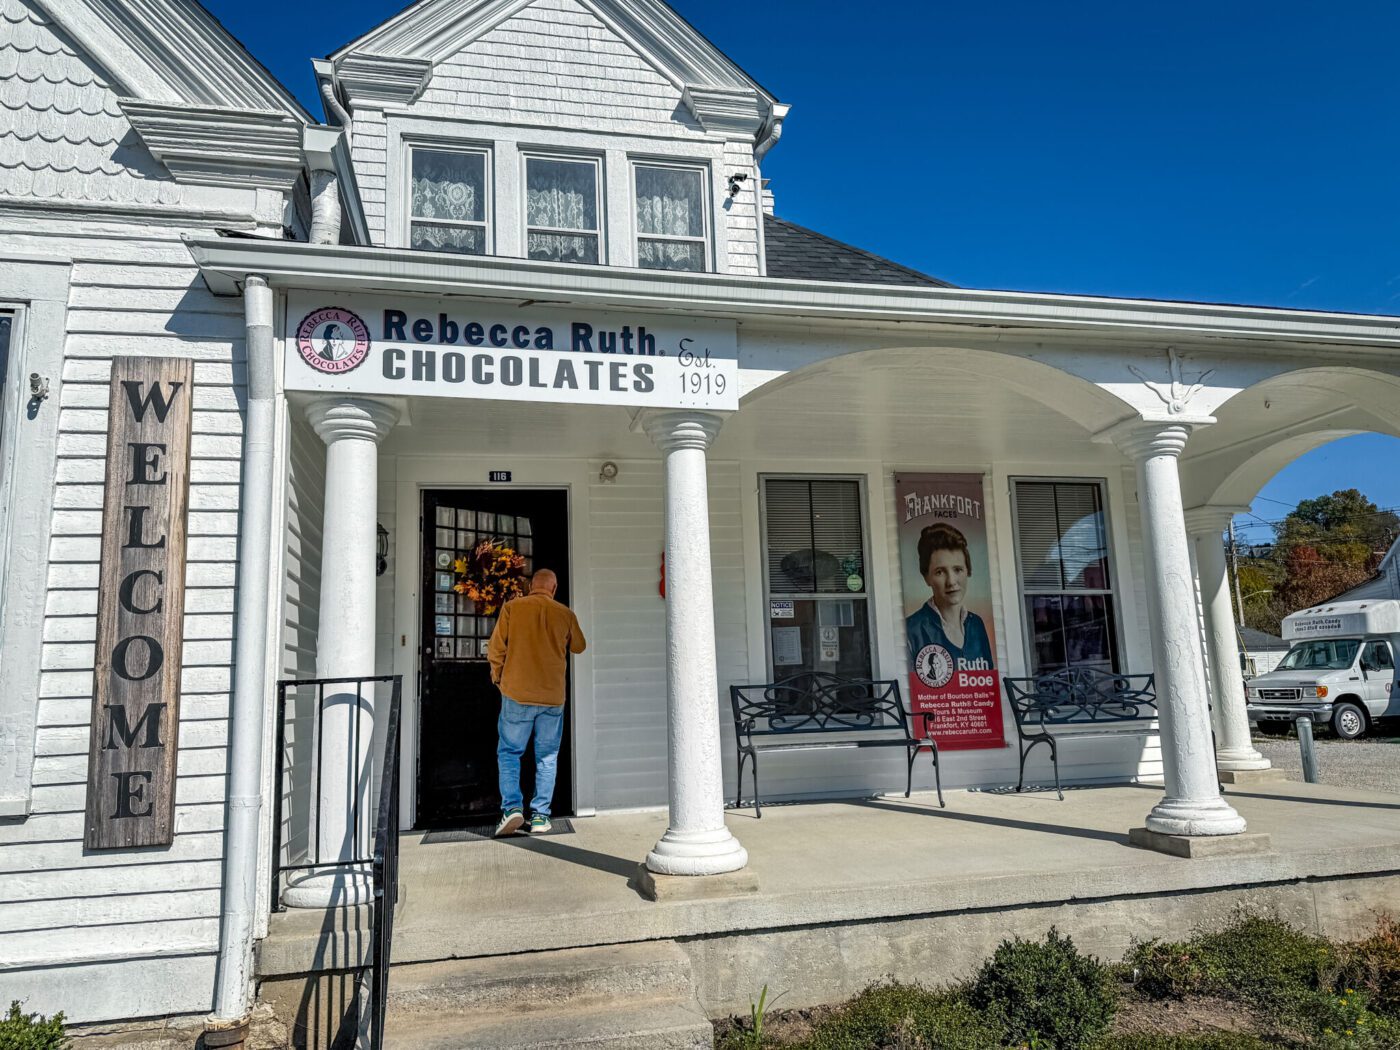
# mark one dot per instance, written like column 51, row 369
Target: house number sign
column 141, row 604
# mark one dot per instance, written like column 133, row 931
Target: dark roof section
column 798, row 253
column 1254, row 640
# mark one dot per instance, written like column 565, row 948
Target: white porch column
column 696, row 841
column 1234, row 752
column 1192, row 804
column 352, row 428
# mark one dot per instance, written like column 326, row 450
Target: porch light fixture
column 607, row 473
column 381, row 559
column 736, row 180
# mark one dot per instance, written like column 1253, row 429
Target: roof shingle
column 798, row 253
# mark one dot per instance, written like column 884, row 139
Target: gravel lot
column 1372, row 763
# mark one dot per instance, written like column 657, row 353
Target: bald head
column 544, row 580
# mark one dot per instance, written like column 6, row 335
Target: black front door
column 458, row 705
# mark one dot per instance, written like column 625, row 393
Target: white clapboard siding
column 625, row 521
column 306, row 486
column 120, row 933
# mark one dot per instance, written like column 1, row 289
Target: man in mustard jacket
column 529, row 656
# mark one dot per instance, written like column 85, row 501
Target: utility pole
column 1235, row 572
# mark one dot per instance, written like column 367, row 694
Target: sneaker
column 539, row 824
column 510, row 823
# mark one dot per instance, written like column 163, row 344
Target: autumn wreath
column 491, row 575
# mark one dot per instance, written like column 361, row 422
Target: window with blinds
column 814, row 576
column 1067, row 588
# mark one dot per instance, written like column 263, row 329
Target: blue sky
column 1244, row 152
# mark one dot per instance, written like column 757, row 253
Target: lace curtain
column 562, row 194
column 669, row 202
column 449, row 186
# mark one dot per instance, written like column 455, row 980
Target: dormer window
column 561, row 209
column 450, row 203
column 672, row 220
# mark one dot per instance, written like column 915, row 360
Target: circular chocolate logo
column 934, row 666
column 332, row 340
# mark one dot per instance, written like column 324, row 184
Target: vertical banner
column 943, row 562
column 140, row 605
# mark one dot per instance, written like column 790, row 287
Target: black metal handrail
column 378, row 850
column 386, row 874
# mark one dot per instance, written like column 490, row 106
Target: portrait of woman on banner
column 945, row 563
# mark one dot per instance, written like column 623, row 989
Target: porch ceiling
column 452, row 426
column 908, row 408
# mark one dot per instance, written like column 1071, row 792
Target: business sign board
column 949, row 632
column 419, row 347
column 141, row 604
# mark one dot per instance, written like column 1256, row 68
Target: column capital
column 1140, row 438
column 337, row 417
column 1210, row 519
column 676, row 428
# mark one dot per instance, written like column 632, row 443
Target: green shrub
column 1046, row 994
column 905, row 1016
column 20, row 1031
column 1264, row 961
column 1261, row 961
column 1372, row 967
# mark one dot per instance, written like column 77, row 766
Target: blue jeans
column 516, row 723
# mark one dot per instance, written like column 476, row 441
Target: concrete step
column 641, row 1024
column 571, row 977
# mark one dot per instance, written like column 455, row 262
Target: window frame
column 527, row 154
column 488, row 192
column 1114, row 592
column 707, row 238
column 868, row 595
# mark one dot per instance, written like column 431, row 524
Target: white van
column 1340, row 670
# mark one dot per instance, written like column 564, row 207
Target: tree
column 1326, row 545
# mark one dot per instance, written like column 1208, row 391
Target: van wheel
column 1348, row 721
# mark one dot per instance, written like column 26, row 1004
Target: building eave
column 286, row 264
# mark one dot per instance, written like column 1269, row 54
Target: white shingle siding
column 552, row 70
column 62, row 134
column 555, row 63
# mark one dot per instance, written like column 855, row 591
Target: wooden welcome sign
column 141, row 605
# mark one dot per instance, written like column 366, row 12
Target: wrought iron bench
column 819, row 703
column 1087, row 701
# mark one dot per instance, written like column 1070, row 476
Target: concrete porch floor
column 880, row 860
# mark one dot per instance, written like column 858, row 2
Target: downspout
column 233, row 989
column 765, row 140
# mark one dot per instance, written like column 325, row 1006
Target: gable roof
column 435, row 30
column 171, row 51
column 796, row 252
column 1253, row 640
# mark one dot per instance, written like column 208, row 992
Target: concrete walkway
column 837, row 862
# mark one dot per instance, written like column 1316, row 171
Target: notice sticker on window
column 780, row 611
column 829, row 635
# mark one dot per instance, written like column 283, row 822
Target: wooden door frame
column 413, row 475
